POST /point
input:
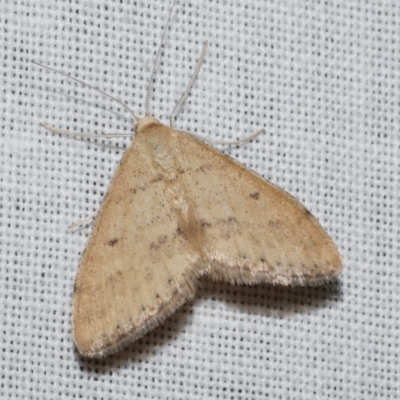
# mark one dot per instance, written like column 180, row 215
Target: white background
column 323, row 78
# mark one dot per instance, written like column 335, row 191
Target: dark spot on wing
column 162, row 239
column 156, row 178
column 306, row 211
column 255, row 195
column 205, row 224
column 154, row 246
column 115, row 279
column 227, row 221
column 113, row 242
column 203, row 168
column 275, row 223
column 135, row 189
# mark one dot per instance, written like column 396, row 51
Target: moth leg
column 232, row 142
column 185, row 94
column 85, row 135
column 84, row 221
column 240, row 141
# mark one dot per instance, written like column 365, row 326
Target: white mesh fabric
column 321, row 77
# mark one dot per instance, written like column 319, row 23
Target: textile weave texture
column 323, row 78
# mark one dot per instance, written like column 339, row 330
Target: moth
column 176, row 210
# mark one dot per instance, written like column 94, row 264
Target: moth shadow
column 266, row 300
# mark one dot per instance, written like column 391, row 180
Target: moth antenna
column 155, row 65
column 135, row 117
column 185, row 94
